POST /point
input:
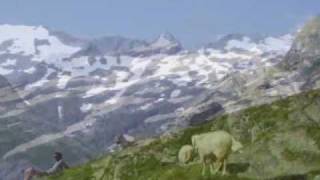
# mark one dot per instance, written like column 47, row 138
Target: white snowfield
column 214, row 62
column 269, row 44
column 23, row 41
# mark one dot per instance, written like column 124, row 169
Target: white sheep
column 215, row 147
column 185, row 154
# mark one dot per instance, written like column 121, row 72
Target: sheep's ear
column 236, row 145
column 193, row 140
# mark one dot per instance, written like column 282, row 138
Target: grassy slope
column 281, row 140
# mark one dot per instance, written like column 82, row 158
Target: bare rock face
column 304, row 55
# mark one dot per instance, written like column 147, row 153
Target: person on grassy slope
column 58, row 166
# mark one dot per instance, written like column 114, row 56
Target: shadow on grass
column 292, row 177
column 235, row 168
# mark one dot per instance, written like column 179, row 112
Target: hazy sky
column 193, row 22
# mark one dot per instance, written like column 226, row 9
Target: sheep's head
column 236, row 146
column 186, row 153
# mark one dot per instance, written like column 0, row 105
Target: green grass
column 281, row 141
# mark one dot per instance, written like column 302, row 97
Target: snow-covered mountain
column 76, row 95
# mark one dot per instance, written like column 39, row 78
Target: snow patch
column 60, row 113
column 270, row 44
column 146, row 106
column 121, row 75
column 112, row 100
column 41, row 82
column 9, row 62
column 228, row 55
column 27, row 102
column 37, row 84
column 30, row 70
column 245, row 44
column 95, row 91
column 4, row 71
column 160, row 117
column 86, row 107
column 281, row 44
column 62, row 82
column 175, row 93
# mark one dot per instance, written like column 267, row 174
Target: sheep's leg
column 224, row 167
column 202, row 159
column 211, row 168
column 203, row 169
column 218, row 167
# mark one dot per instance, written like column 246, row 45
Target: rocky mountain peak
column 165, row 40
column 167, row 37
column 222, row 41
column 305, row 49
column 309, row 37
column 116, row 44
column 165, row 43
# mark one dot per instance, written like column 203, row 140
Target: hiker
column 58, row 166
